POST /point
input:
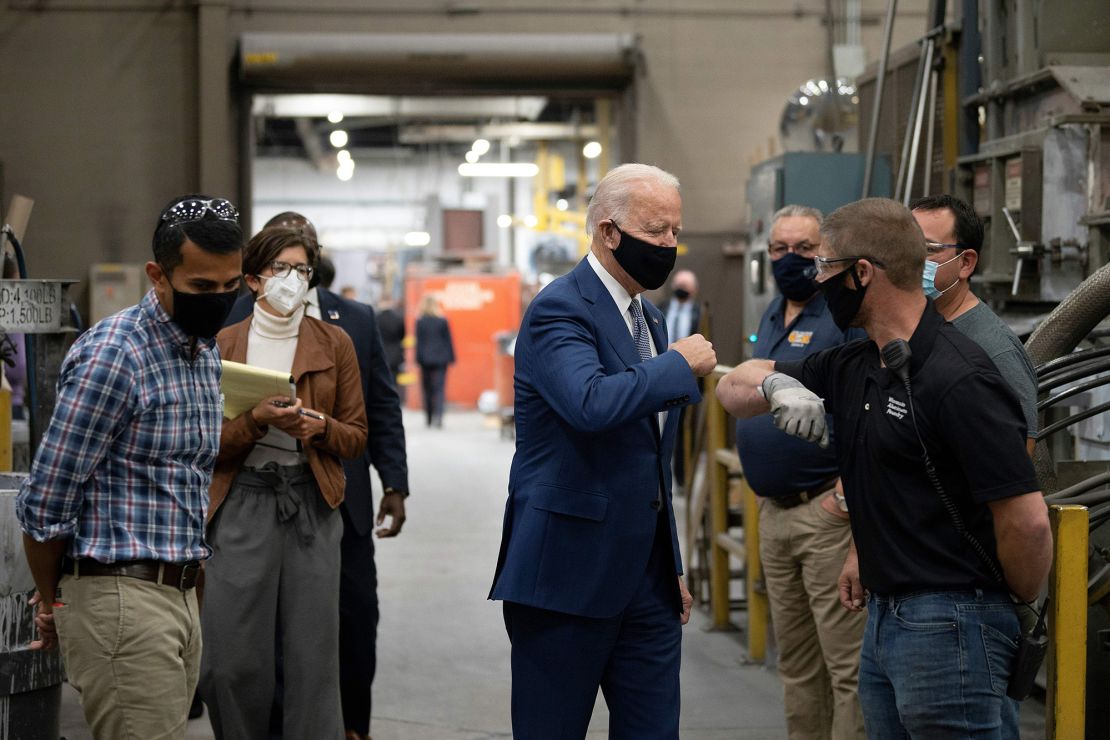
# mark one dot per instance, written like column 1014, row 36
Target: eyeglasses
column 282, row 269
column 822, row 266
column 934, row 248
column 194, row 209
column 802, row 249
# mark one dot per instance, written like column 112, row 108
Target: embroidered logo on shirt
column 896, row 408
column 799, row 338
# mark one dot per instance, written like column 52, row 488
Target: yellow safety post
column 758, row 608
column 718, row 507
column 1067, row 624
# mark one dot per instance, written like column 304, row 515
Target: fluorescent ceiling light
column 480, row 146
column 338, row 138
column 562, row 204
column 418, row 239
column 531, row 221
column 592, row 150
column 499, row 169
column 472, row 156
column 343, row 156
column 504, row 220
column 335, row 116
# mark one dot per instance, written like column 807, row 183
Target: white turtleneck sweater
column 272, row 344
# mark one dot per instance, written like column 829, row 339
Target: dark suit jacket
column 695, row 315
column 385, row 445
column 590, row 460
column 433, row 342
column 392, row 327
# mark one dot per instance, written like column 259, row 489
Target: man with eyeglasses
column 945, row 509
column 385, row 451
column 803, row 531
column 954, row 238
column 113, row 511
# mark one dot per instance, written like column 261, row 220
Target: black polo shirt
column 973, row 427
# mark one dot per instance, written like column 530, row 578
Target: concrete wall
column 108, row 108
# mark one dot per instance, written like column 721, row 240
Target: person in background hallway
column 274, row 525
column 683, row 312
column 941, row 632
column 803, row 531
column 392, row 325
column 434, row 352
column 385, row 451
column 589, row 568
column 682, row 309
column 117, row 496
column 954, row 238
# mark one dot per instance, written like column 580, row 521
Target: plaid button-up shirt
column 125, row 465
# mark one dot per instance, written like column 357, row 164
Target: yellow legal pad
column 243, row 386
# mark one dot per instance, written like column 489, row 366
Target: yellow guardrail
column 722, row 545
column 1065, row 711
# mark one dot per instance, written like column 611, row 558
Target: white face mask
column 286, row 294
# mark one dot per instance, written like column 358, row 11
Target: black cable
column 1073, row 419
column 1079, row 488
column 1067, row 375
column 1071, row 359
column 1074, row 390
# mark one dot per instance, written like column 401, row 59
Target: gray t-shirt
column 982, row 326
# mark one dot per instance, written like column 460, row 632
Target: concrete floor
column 443, row 665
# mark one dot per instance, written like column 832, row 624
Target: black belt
column 179, row 575
column 790, row 500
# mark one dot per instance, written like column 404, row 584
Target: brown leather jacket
column 325, row 370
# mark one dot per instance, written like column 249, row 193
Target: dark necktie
column 640, row 334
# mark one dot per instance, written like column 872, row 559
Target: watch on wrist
column 391, row 491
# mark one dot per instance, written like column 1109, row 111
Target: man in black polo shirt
column 803, row 531
column 941, row 630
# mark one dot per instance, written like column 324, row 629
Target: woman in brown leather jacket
column 274, row 525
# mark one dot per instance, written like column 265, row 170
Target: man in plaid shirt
column 113, row 511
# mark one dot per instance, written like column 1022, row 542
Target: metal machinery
column 1009, row 108
column 30, row 680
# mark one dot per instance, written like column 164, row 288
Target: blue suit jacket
column 590, row 460
column 385, row 442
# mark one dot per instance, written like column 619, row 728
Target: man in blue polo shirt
column 803, row 530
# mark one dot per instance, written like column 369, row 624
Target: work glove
column 797, row 410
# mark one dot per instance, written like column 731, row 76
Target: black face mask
column 681, row 293
column 843, row 303
column 790, row 275
column 202, row 314
column 647, row 264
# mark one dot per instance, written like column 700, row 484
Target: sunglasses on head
column 194, row 209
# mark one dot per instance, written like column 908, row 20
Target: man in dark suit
column 385, row 450
column 391, row 324
column 589, row 568
column 435, row 350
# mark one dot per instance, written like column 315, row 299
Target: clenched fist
column 698, row 353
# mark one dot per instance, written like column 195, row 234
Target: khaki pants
column 803, row 551
column 132, row 650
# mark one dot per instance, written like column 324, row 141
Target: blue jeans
column 936, row 664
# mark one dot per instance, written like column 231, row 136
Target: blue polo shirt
column 775, row 463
